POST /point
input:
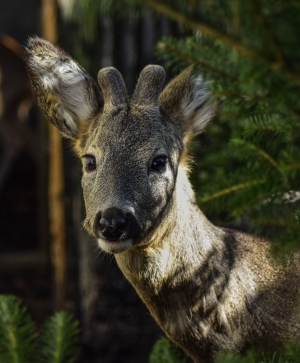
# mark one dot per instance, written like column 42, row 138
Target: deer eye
column 159, row 163
column 90, row 162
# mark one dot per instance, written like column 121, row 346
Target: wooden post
column 56, row 178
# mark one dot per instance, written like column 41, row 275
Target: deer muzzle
column 115, row 225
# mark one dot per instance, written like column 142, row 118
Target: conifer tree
column 57, row 341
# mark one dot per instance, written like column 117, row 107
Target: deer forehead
column 126, row 131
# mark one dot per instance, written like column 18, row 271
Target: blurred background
column 246, row 173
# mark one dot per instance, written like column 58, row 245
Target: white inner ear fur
column 195, row 106
column 66, row 80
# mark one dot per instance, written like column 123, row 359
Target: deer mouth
column 115, row 246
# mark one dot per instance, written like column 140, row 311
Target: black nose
column 113, row 224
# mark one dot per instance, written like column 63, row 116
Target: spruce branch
column 19, row 343
column 291, row 166
column 207, row 30
column 276, row 222
column 16, row 331
column 270, row 40
column 237, row 143
column 215, row 34
column 236, row 19
column 265, row 128
column 267, row 157
column 59, row 339
column 193, row 60
column 297, row 216
column 165, row 352
column 232, row 189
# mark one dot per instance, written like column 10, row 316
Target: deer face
column 129, row 172
column 130, row 148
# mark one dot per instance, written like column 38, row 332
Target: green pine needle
column 164, row 351
column 297, row 216
column 58, row 341
column 17, row 331
column 19, row 343
column 289, row 355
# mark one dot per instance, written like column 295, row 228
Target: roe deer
column 210, row 289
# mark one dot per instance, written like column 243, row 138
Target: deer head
column 131, row 148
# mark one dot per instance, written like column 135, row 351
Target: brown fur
column 210, row 289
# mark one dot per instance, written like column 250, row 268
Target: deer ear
column 188, row 102
column 67, row 95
